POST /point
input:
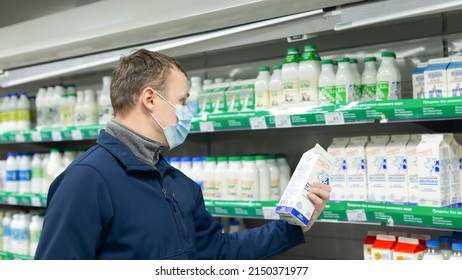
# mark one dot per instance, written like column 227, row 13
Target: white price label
column 35, row 201
column 36, row 136
column 77, row 134
column 356, row 215
column 20, row 138
column 282, row 121
column 56, row 136
column 206, row 127
column 258, row 123
column 12, row 200
column 269, row 213
column 334, row 118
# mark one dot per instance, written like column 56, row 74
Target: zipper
column 185, row 229
column 173, row 210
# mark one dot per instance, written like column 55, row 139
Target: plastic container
column 196, row 171
column 289, row 77
column 275, row 185
column 79, row 109
column 309, row 70
column 175, row 162
column 12, row 180
column 446, row 246
column 6, row 224
column 194, row 90
column 55, row 107
column 433, row 251
column 23, row 112
column 106, row 112
column 264, row 177
column 54, row 165
column 209, row 177
column 284, row 172
column 40, row 107
column 36, row 173
column 457, row 252
column 221, row 169
column 344, row 82
column 357, row 94
column 388, row 78
column 261, row 87
column 233, row 181
column 186, row 165
column 326, row 83
column 90, row 108
column 249, row 179
column 275, row 88
column 24, row 173
column 369, row 79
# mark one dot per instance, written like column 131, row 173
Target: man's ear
column 149, row 98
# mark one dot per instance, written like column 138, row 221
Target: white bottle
column 35, row 230
column 289, row 77
column 388, row 78
column 308, row 74
column 24, row 173
column 234, row 226
column 2, row 114
column 218, row 80
column 68, row 157
column 23, row 112
column 275, row 87
column 221, row 169
column 71, row 101
column 264, row 177
column 249, row 179
column 326, row 83
column 90, row 107
column 79, row 109
column 369, row 79
column 106, row 112
column 54, row 165
column 13, row 107
column 14, row 226
column 284, row 172
column 445, row 246
column 261, row 88
column 40, row 107
column 6, row 224
column 356, row 79
column 207, row 82
column 48, row 103
column 175, row 162
column 12, row 183
column 45, row 184
column 209, row 178
column 275, row 184
column 196, row 171
column 344, row 82
column 7, row 113
column 21, row 237
column 456, row 252
column 194, row 90
column 233, row 181
column 186, row 165
column 36, row 174
column 55, row 106
column 433, row 251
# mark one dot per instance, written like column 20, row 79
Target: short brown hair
column 141, row 68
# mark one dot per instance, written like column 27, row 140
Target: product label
column 6, row 231
column 261, row 99
column 219, row 100
column 208, row 188
column 105, row 114
column 23, row 115
column 276, row 98
column 275, row 192
column 382, row 91
column 357, row 92
column 368, row 92
column 25, row 175
column 307, row 91
column 35, row 236
column 11, row 175
column 327, row 94
column 344, row 93
column 290, row 91
column 231, row 188
column 248, row 189
column 20, row 234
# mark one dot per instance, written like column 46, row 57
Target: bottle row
column 248, row 177
column 56, row 106
column 415, row 169
column 33, row 172
column 398, row 246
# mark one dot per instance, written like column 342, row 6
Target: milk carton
column 418, row 81
column 436, row 78
column 408, row 249
column 204, row 100
column 338, row 178
column 433, row 171
column 412, row 168
column 383, row 246
column 422, row 239
column 377, row 168
column 454, row 169
column 454, row 76
column 458, row 138
column 370, row 239
column 315, row 166
column 357, row 168
column 218, row 97
column 397, row 177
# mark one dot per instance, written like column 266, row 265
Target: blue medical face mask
column 176, row 134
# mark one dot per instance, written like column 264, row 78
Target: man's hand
column 319, row 194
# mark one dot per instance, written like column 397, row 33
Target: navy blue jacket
column 110, row 205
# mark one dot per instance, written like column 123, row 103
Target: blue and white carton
column 436, row 78
column 454, row 73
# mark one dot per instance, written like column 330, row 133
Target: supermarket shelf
column 11, row 256
column 239, row 208
column 27, row 199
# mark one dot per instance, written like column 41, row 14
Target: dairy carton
column 408, row 249
column 204, row 100
column 422, row 239
column 458, row 138
column 383, row 246
column 433, row 171
column 454, row 169
column 237, row 95
column 338, row 178
column 377, row 168
column 370, row 239
column 397, row 178
column 412, row 168
column 454, row 76
column 418, row 81
column 295, row 206
column 436, row 78
column 357, row 168
column 218, row 97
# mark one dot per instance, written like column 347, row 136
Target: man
column 122, row 200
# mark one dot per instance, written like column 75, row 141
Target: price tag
column 20, row 138
column 35, row 201
column 77, row 134
column 356, row 215
column 12, row 200
column 334, row 118
column 56, row 136
column 36, row 136
column 269, row 213
column 282, row 121
column 206, row 127
column 258, row 123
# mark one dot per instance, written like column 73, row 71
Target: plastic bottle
column 275, row 185
column 48, row 106
column 388, row 78
column 284, row 172
column 54, row 165
column 21, row 235
column 326, row 83
column 106, row 112
column 264, row 177
column 219, row 80
column 36, row 174
column 289, row 77
column 2, row 113
column 233, row 181
column 186, row 165
column 433, row 251
column 261, row 87
column 11, row 184
column 234, row 226
column 357, row 95
column 445, row 246
column 221, row 169
column 344, row 82
column 6, row 224
column 35, row 230
column 207, row 82
column 308, row 74
column 175, row 162
column 23, row 112
column 67, row 106
column 2, row 174
column 275, row 87
column 369, row 79
column 33, row 112
column 68, row 157
column 249, row 179
column 14, row 227
column 194, row 90
column 209, row 178
column 90, row 107
column 45, row 184
column 79, row 109
column 24, row 173
column 456, row 252
column 40, row 107
column 55, row 106
column 196, row 171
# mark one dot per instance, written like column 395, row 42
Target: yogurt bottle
column 369, row 79
column 308, row 74
column 261, row 87
column 289, row 77
column 344, row 82
column 326, row 83
column 356, row 79
column 388, row 78
column 275, row 88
